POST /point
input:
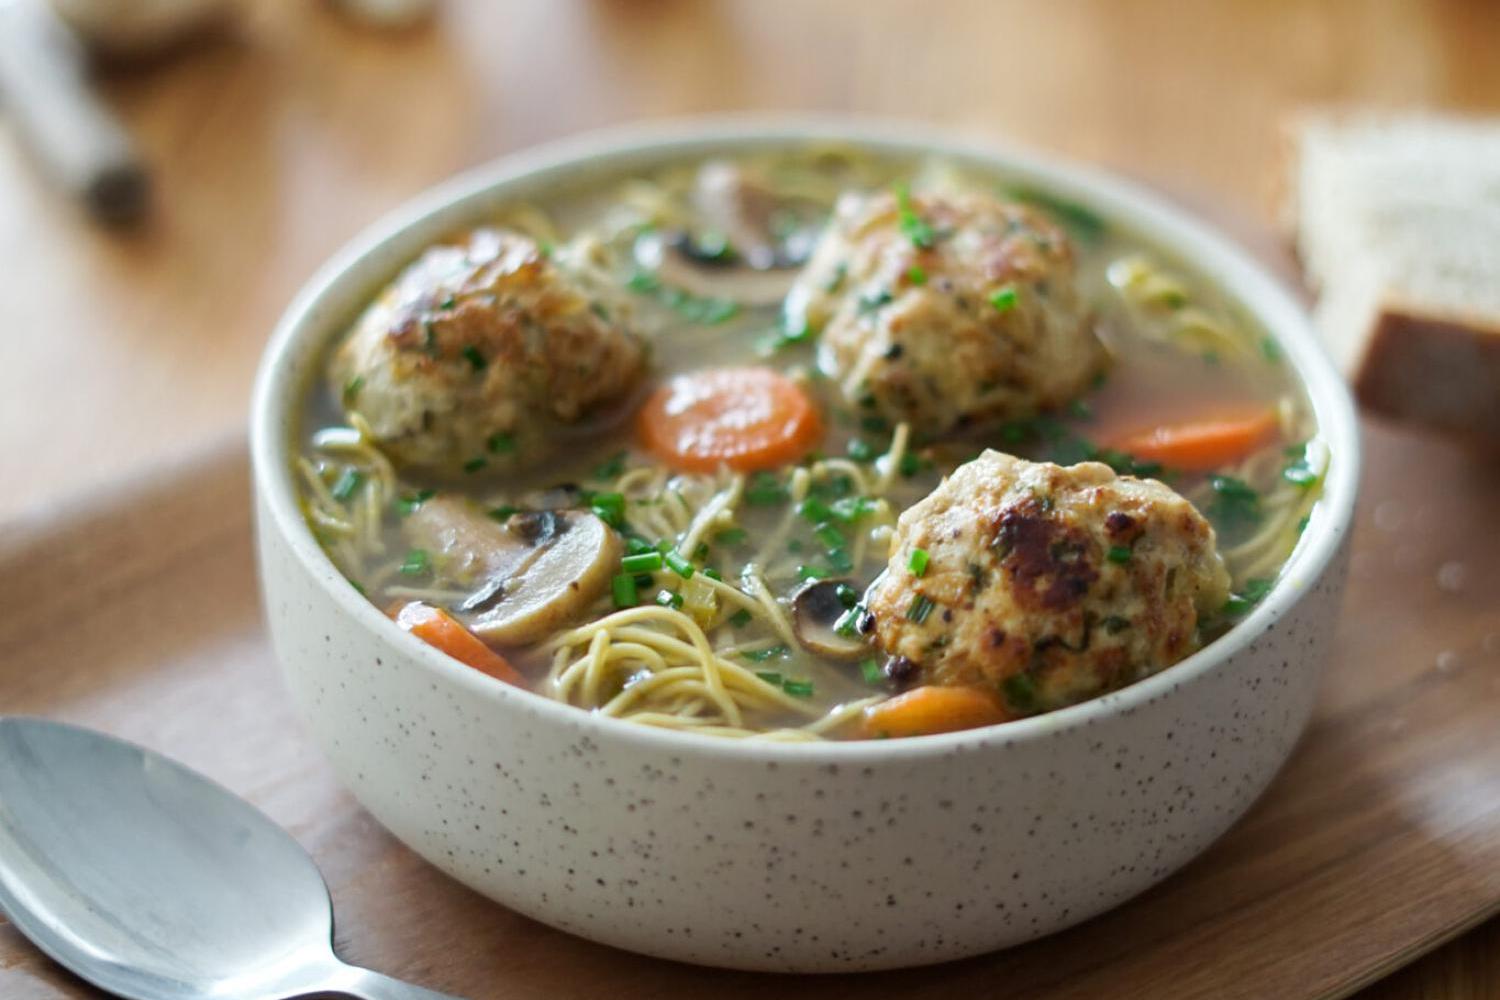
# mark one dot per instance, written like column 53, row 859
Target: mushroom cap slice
column 569, row 573
column 532, row 574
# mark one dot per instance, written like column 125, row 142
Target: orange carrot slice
column 745, row 418
column 1202, row 445
column 441, row 630
column 933, row 709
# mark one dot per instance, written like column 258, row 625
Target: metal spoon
column 152, row 882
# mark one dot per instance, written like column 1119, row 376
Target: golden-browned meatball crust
column 456, row 361
column 1049, row 584
column 944, row 310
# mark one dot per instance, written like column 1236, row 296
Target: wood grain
column 1381, row 837
column 275, row 145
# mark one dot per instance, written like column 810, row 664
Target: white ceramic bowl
column 837, row 856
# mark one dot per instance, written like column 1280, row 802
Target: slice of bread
column 1398, row 225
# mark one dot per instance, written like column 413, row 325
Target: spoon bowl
column 153, row 882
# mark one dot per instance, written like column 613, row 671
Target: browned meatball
column 458, row 357
column 945, row 310
column 1050, row 584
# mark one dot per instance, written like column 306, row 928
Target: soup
column 811, row 444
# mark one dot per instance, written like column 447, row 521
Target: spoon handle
column 363, row 984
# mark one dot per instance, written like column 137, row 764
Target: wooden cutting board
column 137, row 613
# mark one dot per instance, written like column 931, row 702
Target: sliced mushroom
column 735, row 204
column 816, row 611
column 568, row 574
column 664, row 254
column 533, row 574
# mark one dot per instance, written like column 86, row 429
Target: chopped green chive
column 870, row 671
column 847, row 595
column 644, row 562
column 805, row 572
column 913, row 226
column 669, row 599
column 797, row 688
column 712, row 573
column 1251, row 594
column 921, row 607
column 909, row 465
column 416, row 563
column 1235, row 503
column 814, row 510
column 740, row 618
column 764, row 490
column 348, row 481
column 352, row 387
column 840, row 560
column 624, row 589
column 762, row 655
column 407, row 504
column 612, row 466
column 916, row 275
column 501, row 443
column 678, row 565
column 861, row 450
column 1004, row 299
column 829, row 535
column 1020, row 692
column 471, row 353
column 1302, row 523
column 730, row 536
column 1270, row 350
column 851, row 509
column 1119, row 554
column 918, row 562
column 771, row 677
column 475, row 464
column 609, row 508
column 503, row 512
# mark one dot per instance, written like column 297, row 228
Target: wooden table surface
column 274, row 145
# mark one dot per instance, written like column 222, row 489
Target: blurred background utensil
column 76, row 140
column 152, row 882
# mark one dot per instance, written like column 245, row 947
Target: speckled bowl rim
column 1239, row 277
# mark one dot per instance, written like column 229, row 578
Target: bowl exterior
column 790, row 861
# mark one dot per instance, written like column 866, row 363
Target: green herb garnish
column 741, row 618
column 918, row 562
column 501, row 443
column 1020, row 692
column 1004, row 299
column 916, row 275
column 352, row 387
column 643, row 562
column 921, row 607
column 416, row 563
column 798, row 688
column 409, row 503
column 913, row 226
column 1252, row 593
column 624, row 590
column 475, row 359
column 870, row 671
column 677, row 564
column 343, row 488
column 1119, row 554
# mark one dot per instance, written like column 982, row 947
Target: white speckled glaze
column 828, row 857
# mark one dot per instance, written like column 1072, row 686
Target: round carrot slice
column 745, row 418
